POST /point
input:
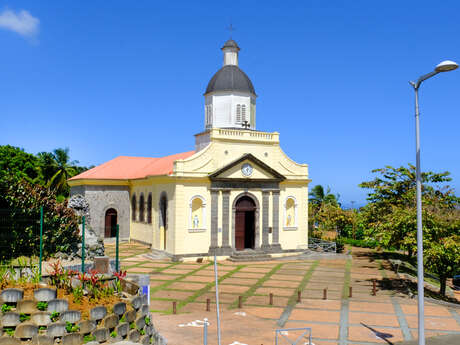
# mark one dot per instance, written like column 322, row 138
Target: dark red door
column 244, row 223
column 239, row 230
column 110, row 223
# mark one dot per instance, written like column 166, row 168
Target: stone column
column 265, row 215
column 276, row 234
column 226, row 249
column 214, row 224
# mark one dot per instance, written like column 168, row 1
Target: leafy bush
column 20, row 204
column 42, row 306
column 358, row 243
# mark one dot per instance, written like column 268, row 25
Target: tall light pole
column 444, row 66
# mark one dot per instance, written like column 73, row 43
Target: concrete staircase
column 249, row 255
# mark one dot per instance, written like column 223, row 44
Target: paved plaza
column 388, row 317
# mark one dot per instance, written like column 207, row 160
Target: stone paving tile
column 186, row 286
column 373, row 319
column 318, row 294
column 428, row 334
column 197, row 278
column 161, row 276
column 239, row 281
column 176, row 271
column 224, row 298
column 155, row 265
column 155, row 283
column 320, row 286
column 248, row 275
column 434, row 323
column 428, row 310
column 276, row 291
column 256, row 269
column 141, row 270
column 361, row 333
column 278, row 283
column 160, row 305
column 315, row 315
column 236, row 289
column 219, row 268
column 319, row 304
column 371, row 307
column 278, row 301
column 284, row 277
column 264, row 312
column 325, row 331
column 176, row 295
column 208, row 273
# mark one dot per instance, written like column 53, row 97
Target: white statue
column 196, row 222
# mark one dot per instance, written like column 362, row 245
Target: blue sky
column 109, row 78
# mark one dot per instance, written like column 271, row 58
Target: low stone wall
column 56, row 324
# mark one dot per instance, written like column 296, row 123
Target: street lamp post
column 444, row 66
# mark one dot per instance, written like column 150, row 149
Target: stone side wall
column 100, row 199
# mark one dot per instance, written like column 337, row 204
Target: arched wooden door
column 110, row 223
column 245, row 223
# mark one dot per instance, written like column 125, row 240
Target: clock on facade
column 246, row 169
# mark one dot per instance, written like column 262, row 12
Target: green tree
column 319, row 197
column 59, row 162
column 15, row 162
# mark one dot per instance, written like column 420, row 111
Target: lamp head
column 446, row 66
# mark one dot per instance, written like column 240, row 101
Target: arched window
column 133, row 208
column 141, row 208
column 149, row 209
column 197, row 213
column 290, row 212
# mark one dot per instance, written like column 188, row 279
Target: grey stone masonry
column 265, row 210
column 26, row 331
column 276, row 234
column 98, row 313
column 11, row 295
column 58, row 305
column 41, row 318
column 214, row 220
column 110, row 321
column 45, row 294
column 122, row 329
column 130, row 316
column 56, row 329
column 87, row 326
column 42, row 340
column 72, row 339
column 100, row 199
column 71, row 316
column 119, row 308
column 101, row 334
column 27, row 306
column 136, row 302
column 9, row 341
column 10, row 319
column 134, row 335
column 225, row 222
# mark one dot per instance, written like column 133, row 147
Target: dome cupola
column 230, row 97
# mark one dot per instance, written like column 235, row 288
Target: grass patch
column 253, row 288
column 303, row 283
column 206, row 288
column 347, row 277
column 169, row 282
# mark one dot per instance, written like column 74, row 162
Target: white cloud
column 21, row 22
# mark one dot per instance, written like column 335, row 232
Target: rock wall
column 102, row 198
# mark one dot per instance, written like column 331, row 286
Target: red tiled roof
column 124, row 167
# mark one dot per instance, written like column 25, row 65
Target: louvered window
column 238, row 113
column 243, row 113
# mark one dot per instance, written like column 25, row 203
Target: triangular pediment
column 247, row 167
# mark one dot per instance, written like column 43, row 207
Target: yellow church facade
column 236, row 192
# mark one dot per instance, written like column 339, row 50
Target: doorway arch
column 110, row 228
column 245, row 223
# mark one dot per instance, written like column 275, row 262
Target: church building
column 237, row 190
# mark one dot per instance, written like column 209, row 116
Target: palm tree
column 319, row 197
column 63, row 170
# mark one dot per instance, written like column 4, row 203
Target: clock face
column 246, row 169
